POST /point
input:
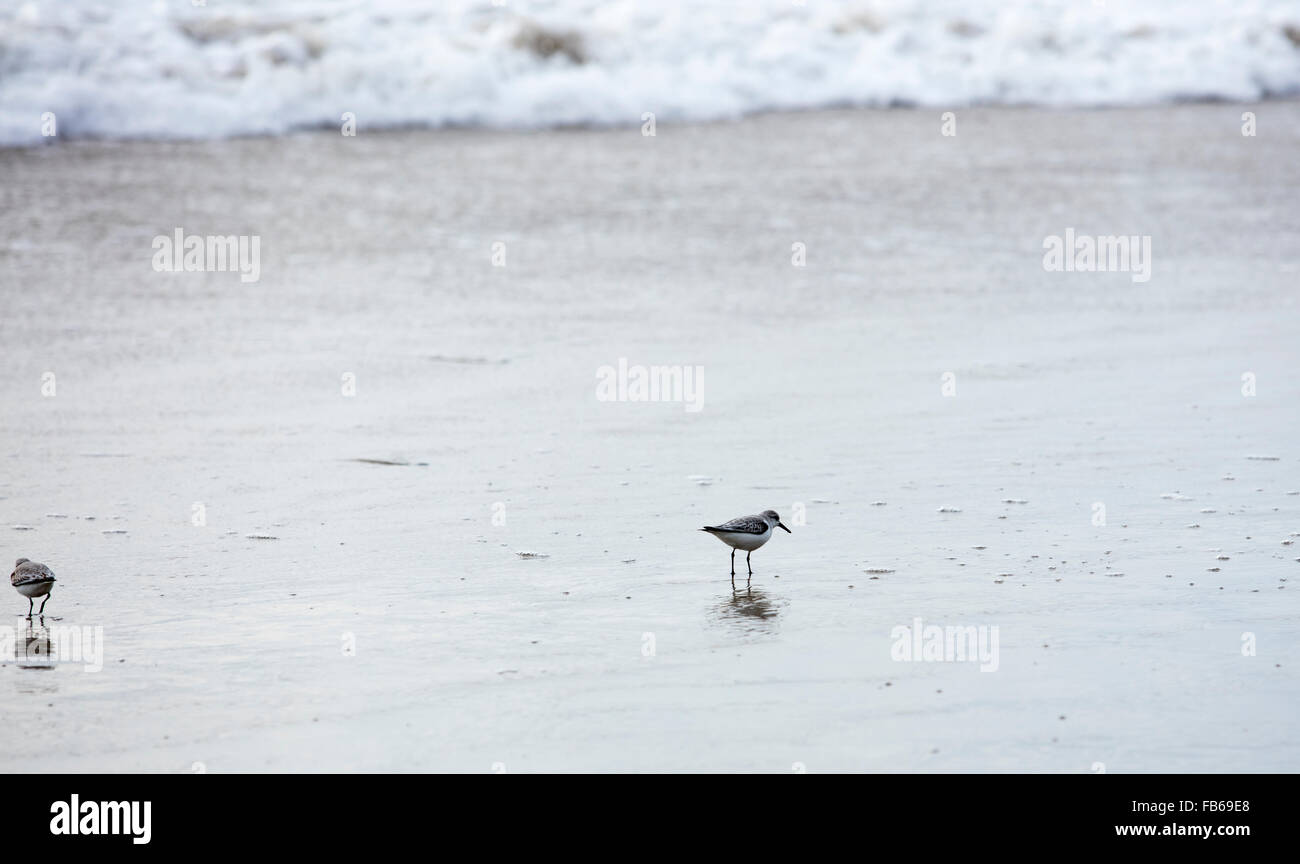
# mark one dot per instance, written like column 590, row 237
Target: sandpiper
column 748, row 533
column 32, row 580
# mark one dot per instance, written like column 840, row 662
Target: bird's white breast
column 741, row 540
column 35, row 589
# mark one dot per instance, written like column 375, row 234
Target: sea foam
column 152, row 69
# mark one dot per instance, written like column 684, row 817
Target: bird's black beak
column 787, row 530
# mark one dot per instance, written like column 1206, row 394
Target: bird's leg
column 747, row 564
column 733, row 564
column 43, row 602
column 30, row 601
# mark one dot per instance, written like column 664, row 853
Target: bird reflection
column 750, row 610
column 35, row 651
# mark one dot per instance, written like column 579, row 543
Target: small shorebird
column 748, row 533
column 32, row 580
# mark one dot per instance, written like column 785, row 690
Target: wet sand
column 823, row 394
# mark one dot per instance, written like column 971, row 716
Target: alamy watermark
column 58, row 644
column 626, row 383
column 129, row 818
column 930, row 643
column 214, row 253
column 1105, row 253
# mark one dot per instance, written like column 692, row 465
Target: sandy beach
column 370, row 434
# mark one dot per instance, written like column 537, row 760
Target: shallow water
column 390, row 522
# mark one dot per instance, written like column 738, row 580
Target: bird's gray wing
column 744, row 525
column 29, row 572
